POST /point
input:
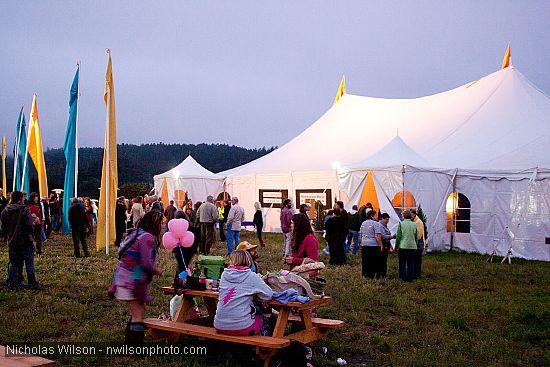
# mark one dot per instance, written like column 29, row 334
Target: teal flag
column 70, row 155
column 19, row 153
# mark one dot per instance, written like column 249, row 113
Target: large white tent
column 488, row 140
column 190, row 178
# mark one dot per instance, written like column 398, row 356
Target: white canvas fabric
column 191, row 177
column 488, row 139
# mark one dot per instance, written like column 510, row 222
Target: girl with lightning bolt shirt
column 236, row 314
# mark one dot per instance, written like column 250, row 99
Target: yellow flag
column 109, row 174
column 34, row 147
column 507, row 61
column 4, row 186
column 341, row 91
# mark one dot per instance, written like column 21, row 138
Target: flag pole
column 76, row 134
column 107, row 169
column 17, row 140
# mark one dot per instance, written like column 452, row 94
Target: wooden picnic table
column 187, row 321
column 23, row 361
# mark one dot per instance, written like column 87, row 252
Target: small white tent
column 190, row 178
column 488, row 141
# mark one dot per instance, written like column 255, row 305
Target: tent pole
column 403, row 186
column 454, row 211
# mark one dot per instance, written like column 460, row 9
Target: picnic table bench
column 186, row 321
column 23, row 361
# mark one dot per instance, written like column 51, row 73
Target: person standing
column 208, row 216
column 234, row 220
column 120, row 219
column 136, row 268
column 221, row 220
column 17, row 226
column 137, row 211
column 36, row 214
column 55, row 212
column 371, row 244
column 3, row 201
column 89, row 214
column 354, row 220
column 259, row 222
column 336, row 231
column 46, row 219
column 79, row 223
column 286, row 223
column 3, row 204
column 406, row 245
column 420, row 245
column 169, row 212
column 386, row 236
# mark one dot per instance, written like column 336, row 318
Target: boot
column 262, row 243
column 134, row 335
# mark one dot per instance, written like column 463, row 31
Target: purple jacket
column 137, row 264
column 286, row 219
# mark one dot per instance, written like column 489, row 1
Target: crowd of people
column 367, row 230
column 27, row 224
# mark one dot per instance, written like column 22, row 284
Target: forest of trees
column 137, row 163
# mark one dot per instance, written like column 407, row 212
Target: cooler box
column 212, row 266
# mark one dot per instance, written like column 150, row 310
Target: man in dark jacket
column 120, row 220
column 17, row 225
column 78, row 222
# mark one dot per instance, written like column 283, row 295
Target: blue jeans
column 355, row 236
column 55, row 222
column 17, row 256
column 406, row 264
column 232, row 235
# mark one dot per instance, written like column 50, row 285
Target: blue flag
column 20, row 151
column 70, row 155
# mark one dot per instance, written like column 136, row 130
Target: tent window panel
column 458, row 213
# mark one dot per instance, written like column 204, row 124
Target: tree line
column 137, row 164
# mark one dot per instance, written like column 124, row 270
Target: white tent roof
column 395, row 153
column 477, row 125
column 189, row 168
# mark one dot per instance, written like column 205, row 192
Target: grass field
column 463, row 312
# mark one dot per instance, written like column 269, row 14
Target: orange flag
column 36, row 152
column 507, row 61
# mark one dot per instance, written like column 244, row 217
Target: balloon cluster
column 178, row 235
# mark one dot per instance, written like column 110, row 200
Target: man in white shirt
column 234, row 220
column 137, row 211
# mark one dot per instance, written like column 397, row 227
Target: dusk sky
column 248, row 73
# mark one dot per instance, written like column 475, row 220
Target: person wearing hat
column 251, row 249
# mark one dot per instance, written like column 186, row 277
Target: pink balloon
column 178, row 227
column 187, row 239
column 169, row 241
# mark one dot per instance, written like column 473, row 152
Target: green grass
column 463, row 312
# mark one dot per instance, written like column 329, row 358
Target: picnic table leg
column 282, row 320
column 266, row 355
column 211, row 306
column 305, row 316
column 185, row 312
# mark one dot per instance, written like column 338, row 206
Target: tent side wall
column 522, row 204
column 247, row 189
column 196, row 188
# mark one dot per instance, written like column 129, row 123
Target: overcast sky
column 249, row 73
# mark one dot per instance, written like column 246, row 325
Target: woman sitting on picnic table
column 137, row 256
column 304, row 245
column 236, row 313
